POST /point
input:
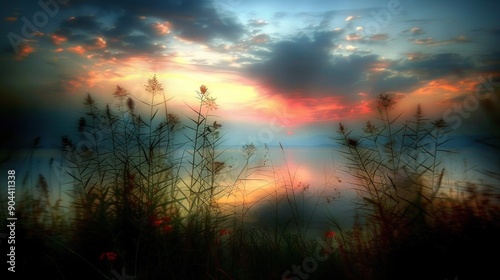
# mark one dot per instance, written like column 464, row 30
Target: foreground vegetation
column 145, row 204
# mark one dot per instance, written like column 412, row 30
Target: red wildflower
column 157, row 223
column 224, row 231
column 329, row 234
column 164, row 223
column 168, row 228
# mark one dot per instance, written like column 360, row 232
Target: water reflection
column 311, row 182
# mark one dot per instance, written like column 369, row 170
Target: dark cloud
column 306, row 65
column 129, row 28
column 431, row 42
column 136, row 44
column 435, row 66
column 136, row 24
column 126, row 24
column 86, row 22
column 206, row 28
column 495, row 31
column 399, row 84
column 489, row 38
column 489, row 62
column 193, row 20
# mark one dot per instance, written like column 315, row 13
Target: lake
column 314, row 179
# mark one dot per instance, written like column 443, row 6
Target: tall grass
column 147, row 188
column 409, row 226
column 124, row 175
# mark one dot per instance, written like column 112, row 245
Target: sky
column 282, row 71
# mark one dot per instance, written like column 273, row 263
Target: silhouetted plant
column 147, row 191
column 398, row 174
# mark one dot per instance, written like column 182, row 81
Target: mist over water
column 278, row 184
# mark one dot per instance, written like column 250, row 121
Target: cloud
column 257, row 23
column 495, row 31
column 431, row 42
column 86, row 23
column 25, row 49
column 10, row 19
column 434, row 66
column 417, row 30
column 415, row 55
column 194, row 20
column 120, row 29
column 260, row 39
column 414, row 31
column 351, row 18
column 162, row 28
column 306, row 66
column 379, row 37
column 489, row 62
column 353, row 37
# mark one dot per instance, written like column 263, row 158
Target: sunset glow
column 317, row 64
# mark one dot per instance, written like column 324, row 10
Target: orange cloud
column 98, row 76
column 57, row 39
column 435, row 96
column 78, row 50
column 74, row 84
column 444, row 85
column 162, row 28
column 10, row 19
column 25, row 49
column 99, row 43
column 97, row 79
